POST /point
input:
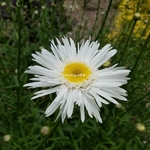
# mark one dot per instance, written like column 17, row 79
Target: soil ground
column 85, row 15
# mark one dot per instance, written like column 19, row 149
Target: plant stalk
column 19, row 53
column 140, row 56
column 103, row 23
column 126, row 44
column 50, row 135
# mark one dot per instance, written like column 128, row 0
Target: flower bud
column 3, row 4
column 7, row 138
column 107, row 63
column 137, row 16
column 43, row 7
column 45, row 130
column 41, row 47
column 118, row 106
column 140, row 127
column 36, row 12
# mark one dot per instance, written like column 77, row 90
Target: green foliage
column 22, row 119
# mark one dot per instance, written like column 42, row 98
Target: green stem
column 97, row 14
column 124, row 33
column 127, row 141
column 84, row 4
column 126, row 44
column 50, row 135
column 135, row 103
column 111, row 22
column 3, row 68
column 147, row 144
column 19, row 53
column 103, row 23
column 128, row 109
column 139, row 57
column 77, row 36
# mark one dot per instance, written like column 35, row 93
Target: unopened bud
column 3, row 4
column 7, row 138
column 41, row 47
column 43, row 7
column 137, row 16
column 45, row 130
column 140, row 127
column 118, row 106
column 36, row 12
column 107, row 63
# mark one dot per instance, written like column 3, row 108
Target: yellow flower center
column 76, row 72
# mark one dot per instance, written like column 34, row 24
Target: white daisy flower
column 74, row 74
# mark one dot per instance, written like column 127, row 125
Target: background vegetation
column 26, row 27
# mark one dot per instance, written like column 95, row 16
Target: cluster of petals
column 103, row 86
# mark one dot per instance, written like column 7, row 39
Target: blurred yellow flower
column 127, row 11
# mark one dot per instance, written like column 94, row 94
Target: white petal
column 95, row 110
column 116, row 95
column 102, row 57
column 70, row 48
column 79, row 100
column 38, row 70
column 105, row 95
column 52, row 108
column 98, row 98
column 39, row 84
column 70, row 104
column 45, row 92
column 57, row 101
column 61, row 112
column 87, row 105
column 46, row 59
column 82, row 112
